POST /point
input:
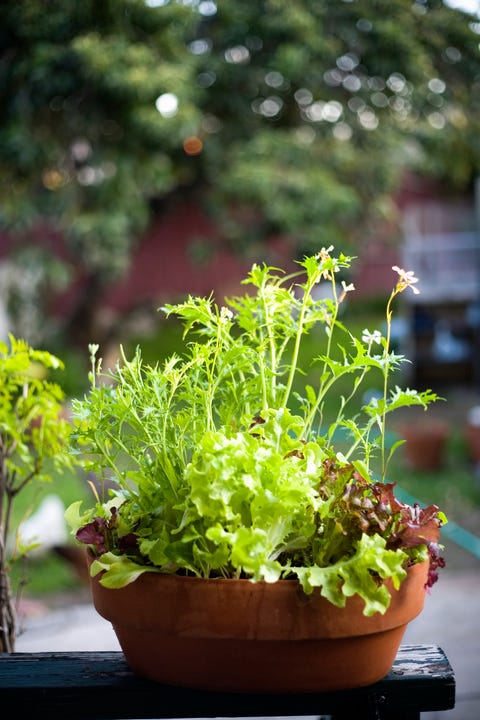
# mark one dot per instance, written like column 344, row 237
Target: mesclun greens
column 217, row 467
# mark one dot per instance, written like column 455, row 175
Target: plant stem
column 308, row 287
column 386, row 352
column 324, row 387
column 271, row 344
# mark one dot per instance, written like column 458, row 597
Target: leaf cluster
column 214, row 464
column 33, row 442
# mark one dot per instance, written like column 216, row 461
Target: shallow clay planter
column 425, row 444
column 239, row 636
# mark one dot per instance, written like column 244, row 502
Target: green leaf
column 118, row 571
column 357, row 574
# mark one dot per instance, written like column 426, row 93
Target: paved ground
column 450, row 619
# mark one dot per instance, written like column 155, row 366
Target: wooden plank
column 100, row 685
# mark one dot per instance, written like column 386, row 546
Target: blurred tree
column 292, row 117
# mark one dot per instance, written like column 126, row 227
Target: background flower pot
column 425, row 445
column 239, row 636
column 472, row 435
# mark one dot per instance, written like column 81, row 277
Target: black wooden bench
column 100, row 685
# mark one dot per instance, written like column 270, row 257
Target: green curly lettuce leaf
column 359, row 574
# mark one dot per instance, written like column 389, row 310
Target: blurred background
column 151, row 149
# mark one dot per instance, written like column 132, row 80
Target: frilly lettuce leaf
column 358, row 574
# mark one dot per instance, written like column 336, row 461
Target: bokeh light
column 193, row 145
column 167, row 105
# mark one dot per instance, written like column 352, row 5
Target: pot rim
column 229, row 608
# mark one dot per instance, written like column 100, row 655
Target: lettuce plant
column 215, row 464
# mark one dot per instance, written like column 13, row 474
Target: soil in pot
column 239, row 636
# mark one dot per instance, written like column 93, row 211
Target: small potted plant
column 252, row 526
column 33, row 444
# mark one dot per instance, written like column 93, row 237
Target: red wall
column 164, row 268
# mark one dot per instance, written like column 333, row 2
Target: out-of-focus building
column 442, row 246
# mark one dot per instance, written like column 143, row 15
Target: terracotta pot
column 239, row 636
column 472, row 438
column 425, row 445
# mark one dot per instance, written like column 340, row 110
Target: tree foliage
column 292, row 117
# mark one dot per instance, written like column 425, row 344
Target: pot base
column 247, row 666
column 238, row 636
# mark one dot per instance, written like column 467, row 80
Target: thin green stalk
column 385, row 370
column 298, row 338
column 270, row 341
column 324, row 387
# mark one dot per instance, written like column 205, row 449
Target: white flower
column 347, row 288
column 370, row 338
column 324, row 259
column 325, row 252
column 225, row 314
column 406, row 278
